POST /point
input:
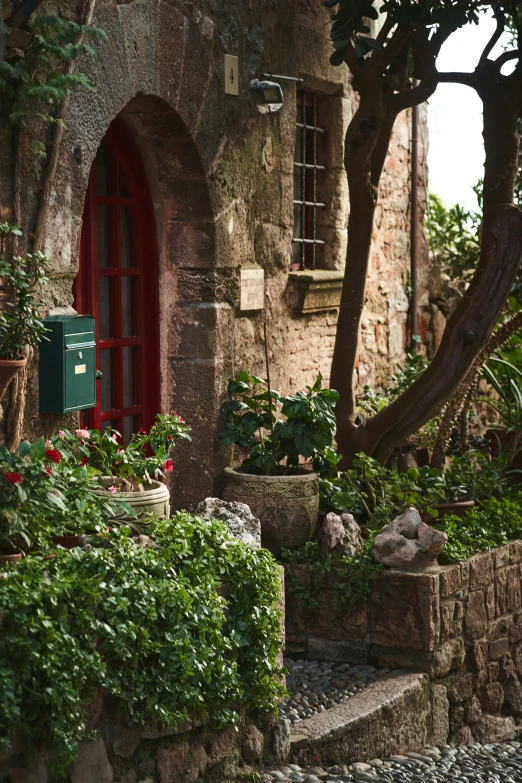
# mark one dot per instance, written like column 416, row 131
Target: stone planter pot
column 457, row 509
column 8, row 370
column 287, row 506
column 155, row 499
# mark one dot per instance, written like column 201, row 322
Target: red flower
column 48, row 470
column 142, row 431
column 54, row 455
column 14, row 478
column 168, row 466
column 169, row 437
column 84, row 460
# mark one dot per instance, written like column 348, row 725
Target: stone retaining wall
column 128, row 755
column 460, row 624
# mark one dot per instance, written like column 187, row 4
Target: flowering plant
column 146, row 457
column 44, row 491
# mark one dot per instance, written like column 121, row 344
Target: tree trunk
column 471, row 325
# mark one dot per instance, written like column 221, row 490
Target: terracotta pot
column 456, row 509
column 12, row 558
column 8, row 370
column 287, row 506
column 68, row 542
column 155, row 498
column 404, row 456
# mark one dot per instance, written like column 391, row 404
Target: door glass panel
column 105, row 287
column 126, row 255
column 107, row 386
column 124, row 190
column 128, row 287
column 129, row 385
column 130, row 426
column 104, row 235
column 104, row 172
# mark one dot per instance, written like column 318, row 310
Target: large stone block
column 446, row 658
column 92, row 764
column 184, row 762
column 405, row 611
column 494, row 729
column 476, row 617
column 481, row 571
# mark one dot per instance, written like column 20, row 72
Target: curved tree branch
column 458, row 77
column 501, row 26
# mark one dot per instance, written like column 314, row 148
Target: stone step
column 389, row 716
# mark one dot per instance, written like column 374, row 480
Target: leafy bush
column 251, row 423
column 20, row 322
column 144, row 458
column 151, row 627
column 353, row 574
column 493, row 523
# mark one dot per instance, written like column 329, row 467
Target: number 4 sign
column 231, row 75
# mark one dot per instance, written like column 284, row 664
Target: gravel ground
column 495, row 763
column 315, row 686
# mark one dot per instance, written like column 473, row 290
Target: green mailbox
column 68, row 364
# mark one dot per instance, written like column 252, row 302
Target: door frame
column 147, row 373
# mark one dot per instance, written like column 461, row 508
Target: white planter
column 155, row 500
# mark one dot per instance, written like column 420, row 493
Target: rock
column 252, row 746
column 340, row 535
column 491, row 728
column 184, row 761
column 240, row 520
column 91, row 764
column 30, row 770
column 281, row 739
column 127, row 742
column 408, row 544
column 145, row 542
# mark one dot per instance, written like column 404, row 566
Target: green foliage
column 506, row 380
column 20, row 322
column 353, row 575
column 430, row 20
column 306, row 432
column 150, row 627
column 493, row 523
column 373, row 401
column 44, row 491
column 146, row 456
column 454, row 237
column 37, row 82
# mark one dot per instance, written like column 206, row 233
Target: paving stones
column 492, row 763
column 315, row 686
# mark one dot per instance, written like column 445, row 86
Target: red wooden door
column 117, row 283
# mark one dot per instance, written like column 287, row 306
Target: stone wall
column 221, row 177
column 121, row 754
column 461, row 625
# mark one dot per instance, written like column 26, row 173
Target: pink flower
column 168, row 466
column 114, row 438
column 48, row 443
column 54, row 455
column 142, row 431
column 14, row 478
column 82, row 433
column 113, row 490
column 61, row 434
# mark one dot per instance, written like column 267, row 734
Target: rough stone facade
column 123, row 754
column 461, row 625
column 221, row 177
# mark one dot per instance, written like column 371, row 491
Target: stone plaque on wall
column 252, row 296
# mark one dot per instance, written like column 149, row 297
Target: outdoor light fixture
column 267, row 95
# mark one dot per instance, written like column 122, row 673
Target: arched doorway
column 117, row 283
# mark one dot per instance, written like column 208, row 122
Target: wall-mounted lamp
column 267, row 95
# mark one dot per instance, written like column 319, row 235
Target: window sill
column 315, row 291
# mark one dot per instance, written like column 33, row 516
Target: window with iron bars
column 307, row 181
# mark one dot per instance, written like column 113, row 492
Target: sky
column 456, row 151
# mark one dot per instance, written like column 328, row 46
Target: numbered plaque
column 231, row 75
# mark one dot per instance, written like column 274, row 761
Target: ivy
column 186, row 631
column 353, row 574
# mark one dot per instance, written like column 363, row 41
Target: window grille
column 307, row 173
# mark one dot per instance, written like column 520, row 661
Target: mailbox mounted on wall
column 68, row 364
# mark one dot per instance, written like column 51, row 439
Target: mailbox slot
column 68, row 364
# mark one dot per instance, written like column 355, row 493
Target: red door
column 117, row 283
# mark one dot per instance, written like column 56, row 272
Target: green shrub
column 353, row 574
column 493, row 523
column 151, row 627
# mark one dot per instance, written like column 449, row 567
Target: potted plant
column 131, row 475
column 20, row 322
column 272, row 479
column 504, row 439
